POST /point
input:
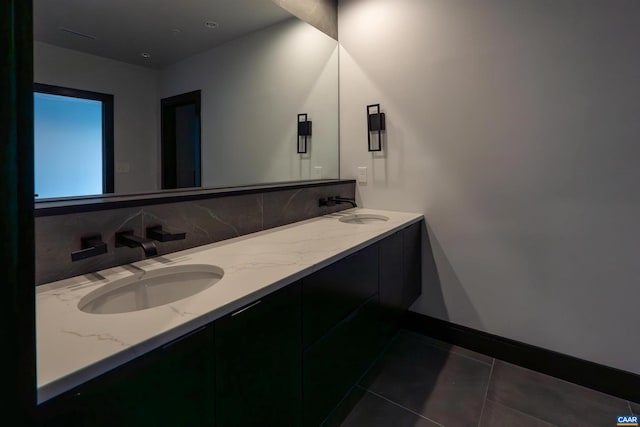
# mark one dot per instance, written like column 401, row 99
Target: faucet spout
column 352, row 202
column 149, row 247
column 128, row 239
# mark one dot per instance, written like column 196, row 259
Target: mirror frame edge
column 16, row 192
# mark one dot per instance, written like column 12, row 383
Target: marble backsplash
column 204, row 221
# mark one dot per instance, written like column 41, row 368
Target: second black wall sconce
column 304, row 131
column 375, row 123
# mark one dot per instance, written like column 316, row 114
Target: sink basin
column 363, row 218
column 151, row 289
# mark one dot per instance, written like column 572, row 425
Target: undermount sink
column 363, row 218
column 150, row 289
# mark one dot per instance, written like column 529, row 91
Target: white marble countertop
column 74, row 347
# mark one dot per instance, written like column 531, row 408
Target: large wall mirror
column 205, row 93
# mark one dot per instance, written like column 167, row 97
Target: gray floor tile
column 445, row 387
column 451, row 348
column 552, row 400
column 497, row 415
column 635, row 408
column 373, row 411
column 339, row 414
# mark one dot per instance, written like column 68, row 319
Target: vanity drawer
column 172, row 385
column 331, row 294
column 259, row 362
column 335, row 363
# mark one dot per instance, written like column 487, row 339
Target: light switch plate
column 362, row 174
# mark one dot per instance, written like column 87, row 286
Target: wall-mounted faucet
column 91, row 246
column 157, row 233
column 339, row 200
column 331, row 201
column 128, row 239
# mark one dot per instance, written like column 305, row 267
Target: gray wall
column 513, row 126
column 134, row 88
column 252, row 90
column 322, row 14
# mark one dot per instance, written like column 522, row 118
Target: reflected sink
column 363, row 218
column 151, row 289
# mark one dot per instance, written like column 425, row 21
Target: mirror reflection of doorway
column 180, row 139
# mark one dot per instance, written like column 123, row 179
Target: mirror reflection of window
column 73, row 142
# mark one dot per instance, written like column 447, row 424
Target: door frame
column 17, row 267
column 167, row 127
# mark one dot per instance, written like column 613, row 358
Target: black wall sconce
column 375, row 123
column 304, row 131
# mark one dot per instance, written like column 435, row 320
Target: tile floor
column 419, row 381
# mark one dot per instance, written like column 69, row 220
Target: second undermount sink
column 363, row 218
column 151, row 289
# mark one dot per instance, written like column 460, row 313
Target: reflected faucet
column 346, row 200
column 128, row 239
column 331, row 201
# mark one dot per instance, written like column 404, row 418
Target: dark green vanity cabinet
column 340, row 324
column 287, row 359
column 400, row 274
column 172, row 385
column 335, row 363
column 411, row 264
column 350, row 311
column 332, row 293
column 258, row 363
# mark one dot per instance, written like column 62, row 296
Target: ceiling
column 167, row 30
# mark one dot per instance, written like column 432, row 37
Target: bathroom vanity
column 297, row 315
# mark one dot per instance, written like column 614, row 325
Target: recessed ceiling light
column 145, row 55
column 211, row 24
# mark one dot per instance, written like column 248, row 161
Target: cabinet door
column 412, row 263
column 331, row 294
column 258, row 363
column 336, row 362
column 400, row 275
column 391, row 283
column 172, row 385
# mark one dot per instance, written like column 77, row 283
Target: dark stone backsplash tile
column 58, row 236
column 288, row 206
column 204, row 221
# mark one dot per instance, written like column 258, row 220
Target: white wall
column 135, row 89
column 514, row 126
column 249, row 127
